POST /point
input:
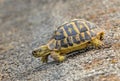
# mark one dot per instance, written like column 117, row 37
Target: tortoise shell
column 72, row 33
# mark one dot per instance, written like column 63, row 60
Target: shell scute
column 75, row 32
column 69, row 40
column 75, row 40
column 64, row 43
column 87, row 35
column 82, row 37
column 58, row 46
column 69, row 29
column 92, row 33
column 81, row 26
column 59, row 34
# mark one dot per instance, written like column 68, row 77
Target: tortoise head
column 41, row 51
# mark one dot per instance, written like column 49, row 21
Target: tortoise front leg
column 56, row 56
column 44, row 59
column 97, row 43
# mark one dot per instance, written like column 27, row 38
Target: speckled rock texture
column 26, row 24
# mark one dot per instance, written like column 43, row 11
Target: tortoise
column 75, row 35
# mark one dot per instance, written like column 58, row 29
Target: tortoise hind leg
column 101, row 36
column 97, row 43
column 56, row 56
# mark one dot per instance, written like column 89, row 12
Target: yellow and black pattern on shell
column 75, row 32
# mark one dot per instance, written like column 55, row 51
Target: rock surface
column 26, row 24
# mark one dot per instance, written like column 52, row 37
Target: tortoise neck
column 45, row 49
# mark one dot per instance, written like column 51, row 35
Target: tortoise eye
column 89, row 42
column 33, row 52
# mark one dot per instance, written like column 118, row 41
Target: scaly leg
column 97, row 43
column 100, row 36
column 44, row 59
column 57, row 56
